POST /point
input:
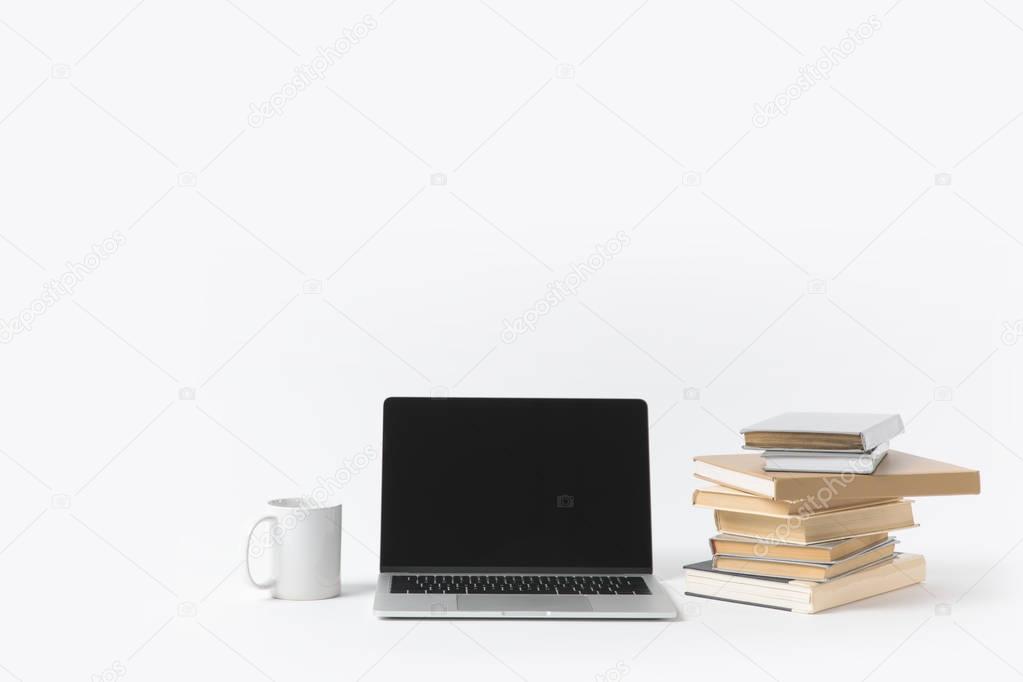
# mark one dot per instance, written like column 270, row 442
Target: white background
column 815, row 262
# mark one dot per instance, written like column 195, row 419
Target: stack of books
column 806, row 541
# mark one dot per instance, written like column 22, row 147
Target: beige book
column 899, row 475
column 833, row 525
column 805, row 570
column 730, row 499
column 823, row 552
column 802, row 596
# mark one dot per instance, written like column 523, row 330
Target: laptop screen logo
column 565, row 501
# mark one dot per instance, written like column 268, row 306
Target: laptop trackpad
column 518, row 603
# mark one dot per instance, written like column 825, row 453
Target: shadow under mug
column 304, row 541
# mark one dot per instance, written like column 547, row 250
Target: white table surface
column 103, row 613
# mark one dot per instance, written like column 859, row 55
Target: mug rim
column 306, row 503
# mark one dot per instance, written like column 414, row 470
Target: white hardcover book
column 876, row 452
column 872, row 429
column 824, row 462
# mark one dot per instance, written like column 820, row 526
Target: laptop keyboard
column 518, row 584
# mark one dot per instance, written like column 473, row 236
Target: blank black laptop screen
column 512, row 484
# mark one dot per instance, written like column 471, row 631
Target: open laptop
column 516, row 508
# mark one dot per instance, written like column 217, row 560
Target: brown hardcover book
column 805, row 530
column 824, row 552
column 730, row 499
column 779, row 440
column 804, row 570
column 899, row 475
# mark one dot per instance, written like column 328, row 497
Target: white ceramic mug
column 305, row 544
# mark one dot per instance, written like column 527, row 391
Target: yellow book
column 832, row 525
column 804, row 570
column 730, row 499
column 822, row 552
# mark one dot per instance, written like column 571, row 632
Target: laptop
column 516, row 508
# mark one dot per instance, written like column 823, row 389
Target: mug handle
column 248, row 556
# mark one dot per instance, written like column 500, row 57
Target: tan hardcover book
column 833, row 525
column 823, row 552
column 730, row 499
column 899, row 475
column 804, row 570
column 802, row 596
